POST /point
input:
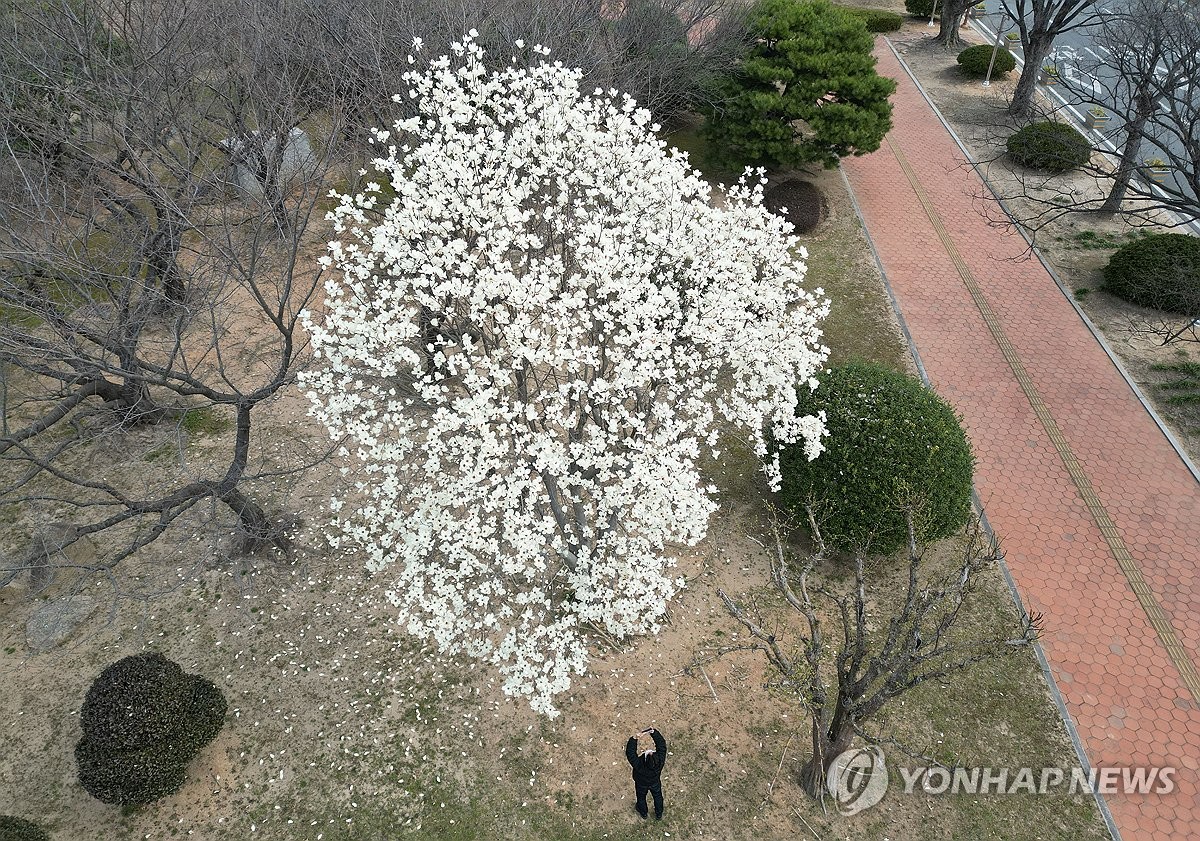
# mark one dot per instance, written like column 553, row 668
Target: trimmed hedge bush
column 877, row 20
column 893, row 445
column 919, row 8
column 19, row 829
column 143, row 720
column 1050, row 147
column 974, row 61
column 1160, row 271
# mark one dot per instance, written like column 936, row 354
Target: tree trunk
column 948, row 37
column 1039, row 47
column 827, row 744
column 162, row 259
column 258, row 530
column 952, row 15
column 1143, row 104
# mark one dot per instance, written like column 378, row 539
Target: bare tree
column 1040, row 22
column 152, row 263
column 1146, row 79
column 878, row 658
column 661, row 52
column 1143, row 83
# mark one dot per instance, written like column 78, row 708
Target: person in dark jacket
column 646, row 752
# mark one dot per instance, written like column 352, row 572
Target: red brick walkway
column 1098, row 516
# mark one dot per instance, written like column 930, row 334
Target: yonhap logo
column 858, row 779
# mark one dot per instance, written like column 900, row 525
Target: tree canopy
column 527, row 349
column 805, row 92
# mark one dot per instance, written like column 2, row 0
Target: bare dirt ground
column 1077, row 245
column 342, row 727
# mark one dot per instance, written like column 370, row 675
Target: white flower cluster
column 527, row 349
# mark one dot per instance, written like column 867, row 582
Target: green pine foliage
column 805, row 93
column 143, row 720
column 1161, row 271
column 877, row 20
column 893, row 446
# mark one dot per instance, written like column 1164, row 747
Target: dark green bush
column 919, row 8
column 130, row 777
column 877, row 20
column 136, row 702
column 205, row 711
column 143, row 720
column 19, row 829
column 974, row 61
column 893, row 446
column 1050, row 147
column 1160, row 271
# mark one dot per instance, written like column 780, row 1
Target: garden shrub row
column 877, row 20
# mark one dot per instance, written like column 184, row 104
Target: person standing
column 647, row 752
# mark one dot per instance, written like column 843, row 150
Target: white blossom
column 528, row 348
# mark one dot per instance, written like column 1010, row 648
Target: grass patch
column 688, row 138
column 1179, row 391
column 204, row 421
column 159, row 453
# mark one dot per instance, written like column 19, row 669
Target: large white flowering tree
column 527, row 348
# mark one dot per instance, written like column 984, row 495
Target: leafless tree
column 918, row 638
column 661, row 52
column 1040, row 22
column 1143, row 84
column 152, row 263
column 1149, row 71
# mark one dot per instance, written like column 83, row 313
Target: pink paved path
column 1127, row 695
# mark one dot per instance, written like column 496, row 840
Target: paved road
column 1095, row 509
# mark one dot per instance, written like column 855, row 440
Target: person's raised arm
column 631, row 750
column 660, row 744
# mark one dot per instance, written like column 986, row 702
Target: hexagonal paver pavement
column 1096, row 511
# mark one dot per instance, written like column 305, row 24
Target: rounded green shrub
column 974, row 61
column 919, row 8
column 1050, row 147
column 893, row 446
column 205, row 711
column 877, row 20
column 143, row 720
column 136, row 701
column 19, row 829
column 1160, row 271
column 127, row 778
